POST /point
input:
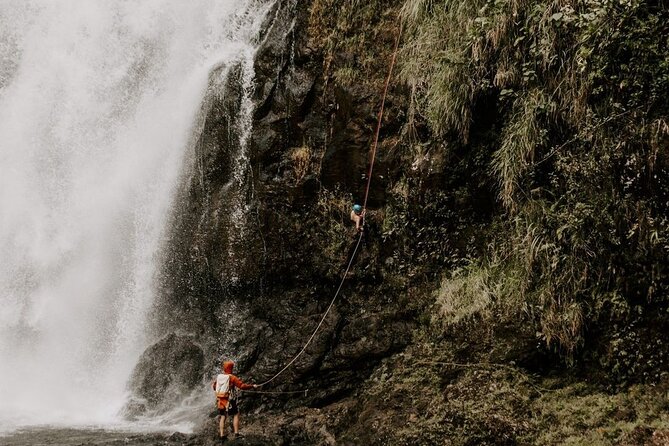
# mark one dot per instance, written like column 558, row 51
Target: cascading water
column 98, row 103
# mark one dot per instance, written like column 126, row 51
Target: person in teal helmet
column 358, row 216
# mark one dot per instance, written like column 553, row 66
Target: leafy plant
column 580, row 110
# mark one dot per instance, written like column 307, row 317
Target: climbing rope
column 380, row 118
column 277, row 392
column 364, row 207
column 311, row 338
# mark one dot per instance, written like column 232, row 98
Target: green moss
column 346, row 76
column 447, row 402
column 579, row 415
column 355, row 37
column 332, row 211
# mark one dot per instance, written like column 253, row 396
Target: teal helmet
column 357, row 208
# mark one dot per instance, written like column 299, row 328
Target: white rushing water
column 98, row 102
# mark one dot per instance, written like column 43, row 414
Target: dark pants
column 233, row 409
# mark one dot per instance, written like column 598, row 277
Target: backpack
column 224, row 390
column 223, row 385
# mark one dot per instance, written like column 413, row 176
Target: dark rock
column 134, row 408
column 660, row 438
column 166, row 372
column 178, row 436
column 624, row 413
column 640, row 435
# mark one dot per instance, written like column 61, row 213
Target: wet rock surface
column 166, row 372
column 86, row 437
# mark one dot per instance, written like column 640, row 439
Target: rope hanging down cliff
column 364, row 207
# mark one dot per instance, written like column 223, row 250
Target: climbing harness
column 364, row 208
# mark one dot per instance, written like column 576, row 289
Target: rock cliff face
column 258, row 246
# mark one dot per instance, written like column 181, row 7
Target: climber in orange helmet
column 226, row 386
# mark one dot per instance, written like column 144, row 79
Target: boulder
column 166, row 372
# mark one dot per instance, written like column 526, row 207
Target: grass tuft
column 301, row 160
column 520, row 140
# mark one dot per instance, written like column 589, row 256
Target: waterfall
column 98, row 103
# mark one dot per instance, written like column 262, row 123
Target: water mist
column 98, row 102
